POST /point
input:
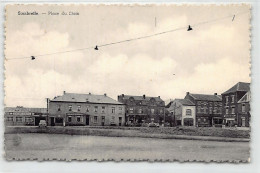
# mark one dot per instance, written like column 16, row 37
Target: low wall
column 162, row 133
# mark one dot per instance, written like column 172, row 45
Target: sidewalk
column 116, row 133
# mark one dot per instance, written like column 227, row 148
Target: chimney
column 159, row 97
column 187, row 93
column 215, row 94
column 144, row 96
column 64, row 92
column 123, row 95
column 105, row 94
column 89, row 93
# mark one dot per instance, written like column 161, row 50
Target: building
column 230, row 103
column 73, row 109
column 22, row 116
column 143, row 109
column 208, row 109
column 244, row 115
column 183, row 112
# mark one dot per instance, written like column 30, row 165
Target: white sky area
column 209, row 59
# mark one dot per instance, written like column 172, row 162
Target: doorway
column 243, row 119
column 87, row 120
column 103, row 121
column 52, row 121
column 120, row 121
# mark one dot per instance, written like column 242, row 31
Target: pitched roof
column 83, row 98
column 206, row 97
column 142, row 98
column 185, row 102
column 25, row 109
column 240, row 86
column 245, row 98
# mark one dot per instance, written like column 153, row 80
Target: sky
column 209, row 59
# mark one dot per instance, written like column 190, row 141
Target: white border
column 76, row 166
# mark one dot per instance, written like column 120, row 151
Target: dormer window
column 58, row 107
column 70, row 107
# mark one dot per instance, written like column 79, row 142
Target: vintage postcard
column 133, row 82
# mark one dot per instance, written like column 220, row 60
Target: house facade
column 183, row 112
column 230, row 99
column 208, row 109
column 143, row 109
column 244, row 115
column 73, row 109
column 23, row 116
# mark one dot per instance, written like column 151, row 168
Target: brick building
column 73, row 109
column 230, row 101
column 22, row 116
column 183, row 112
column 143, row 109
column 208, row 109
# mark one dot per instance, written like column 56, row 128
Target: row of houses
column 231, row 108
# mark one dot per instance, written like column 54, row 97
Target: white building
column 183, row 111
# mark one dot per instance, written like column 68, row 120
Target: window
column 227, row 110
column 188, row 111
column 131, row 110
column 103, row 109
column 140, row 111
column 96, row 109
column 59, row 120
column 70, row 107
column 226, row 99
column 161, row 111
column 10, row 113
column 210, row 110
column 233, row 110
column 87, row 110
column 204, row 120
column 215, row 110
column 113, row 118
column 232, row 98
column 120, row 108
column 79, row 107
column 113, row 110
column 58, row 107
column 19, row 119
column 152, row 111
column 78, row 118
column 243, row 107
column 69, row 119
column 95, row 119
column 28, row 119
column 198, row 109
column 10, row 119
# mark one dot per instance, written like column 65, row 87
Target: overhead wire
column 132, row 39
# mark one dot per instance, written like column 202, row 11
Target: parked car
column 153, row 125
column 42, row 123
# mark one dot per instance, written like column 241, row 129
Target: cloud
column 209, row 59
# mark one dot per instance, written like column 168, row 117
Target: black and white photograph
column 127, row 82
